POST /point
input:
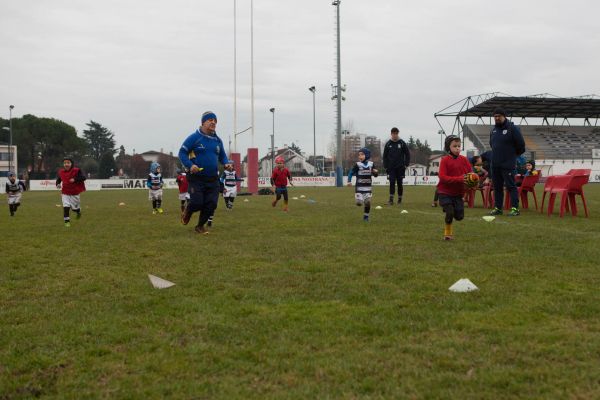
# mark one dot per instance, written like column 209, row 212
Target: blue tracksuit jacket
column 205, row 151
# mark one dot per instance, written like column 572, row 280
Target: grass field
column 310, row 304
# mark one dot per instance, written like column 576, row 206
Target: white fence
column 317, row 181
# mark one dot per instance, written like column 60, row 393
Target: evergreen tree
column 296, row 148
column 100, row 140
column 43, row 142
column 90, row 167
column 107, row 166
column 411, row 143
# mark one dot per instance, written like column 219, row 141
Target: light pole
column 10, row 108
column 338, row 162
column 313, row 90
column 273, row 140
column 344, row 162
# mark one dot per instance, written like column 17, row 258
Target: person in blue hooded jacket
column 507, row 144
column 201, row 153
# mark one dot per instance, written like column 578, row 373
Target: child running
column 182, row 183
column 14, row 188
column 155, row 184
column 364, row 171
column 229, row 179
column 70, row 181
column 451, row 186
column 279, row 181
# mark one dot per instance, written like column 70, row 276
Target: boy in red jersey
column 451, row 185
column 71, row 182
column 182, row 183
column 279, row 180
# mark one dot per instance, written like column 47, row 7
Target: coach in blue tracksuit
column 201, row 154
column 507, row 144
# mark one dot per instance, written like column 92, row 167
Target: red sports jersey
column 182, row 183
column 72, row 188
column 451, row 174
column 280, row 177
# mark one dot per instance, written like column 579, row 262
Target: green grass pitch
column 309, row 304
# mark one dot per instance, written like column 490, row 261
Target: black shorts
column 456, row 201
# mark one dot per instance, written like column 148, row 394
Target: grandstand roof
column 538, row 106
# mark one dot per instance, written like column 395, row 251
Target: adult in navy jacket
column 396, row 158
column 507, row 143
column 201, row 154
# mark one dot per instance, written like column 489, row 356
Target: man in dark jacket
column 507, row 143
column 396, row 158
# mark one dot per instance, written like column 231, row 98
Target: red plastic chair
column 488, row 195
column 547, row 189
column 470, row 195
column 528, row 186
column 581, row 171
column 523, row 196
column 560, row 185
column 576, row 188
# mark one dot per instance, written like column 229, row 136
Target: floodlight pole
column 10, row 149
column 273, row 140
column 338, row 162
column 252, row 69
column 234, row 77
column 313, row 90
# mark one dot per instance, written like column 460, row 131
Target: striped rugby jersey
column 364, row 173
column 229, row 178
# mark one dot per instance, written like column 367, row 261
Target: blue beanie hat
column 154, row 166
column 366, row 152
column 208, row 115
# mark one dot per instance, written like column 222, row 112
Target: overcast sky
column 148, row 69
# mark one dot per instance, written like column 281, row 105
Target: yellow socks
column 448, row 231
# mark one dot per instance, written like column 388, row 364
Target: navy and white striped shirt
column 364, row 172
column 229, row 178
column 155, row 181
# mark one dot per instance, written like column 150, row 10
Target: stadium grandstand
column 560, row 133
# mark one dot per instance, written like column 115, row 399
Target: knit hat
column 366, row 152
column 154, row 167
column 11, row 174
column 208, row 115
column 500, row 111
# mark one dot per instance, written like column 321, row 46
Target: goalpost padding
column 253, row 170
